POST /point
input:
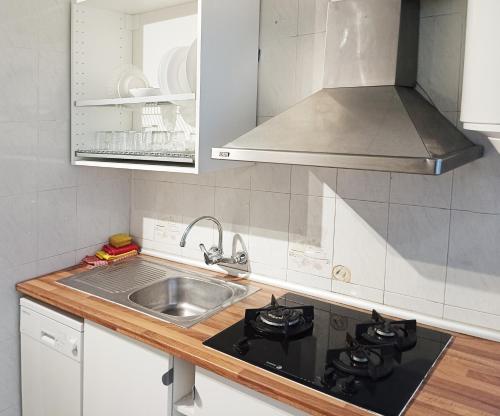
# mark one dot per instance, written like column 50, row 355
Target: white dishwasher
column 51, row 361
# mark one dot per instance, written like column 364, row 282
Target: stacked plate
column 177, row 70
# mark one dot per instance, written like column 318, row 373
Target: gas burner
column 373, row 361
column 281, row 317
column 276, row 320
column 402, row 334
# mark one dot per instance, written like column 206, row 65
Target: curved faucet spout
column 182, row 243
column 214, row 255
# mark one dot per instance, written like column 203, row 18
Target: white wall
column 427, row 244
column 51, row 214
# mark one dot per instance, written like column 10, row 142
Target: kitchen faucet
column 215, row 254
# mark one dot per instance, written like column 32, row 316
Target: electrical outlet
column 341, row 273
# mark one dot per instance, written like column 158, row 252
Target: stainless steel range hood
column 359, row 126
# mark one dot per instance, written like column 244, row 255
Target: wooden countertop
column 465, row 382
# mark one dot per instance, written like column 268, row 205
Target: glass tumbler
column 119, row 141
column 100, row 141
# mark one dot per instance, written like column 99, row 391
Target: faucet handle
column 212, row 256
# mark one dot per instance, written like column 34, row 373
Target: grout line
column 387, row 237
column 448, row 248
column 289, row 224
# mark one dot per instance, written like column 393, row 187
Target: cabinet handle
column 168, row 378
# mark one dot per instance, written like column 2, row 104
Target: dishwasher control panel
column 37, row 323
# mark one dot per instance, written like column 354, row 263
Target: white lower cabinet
column 217, row 396
column 125, row 377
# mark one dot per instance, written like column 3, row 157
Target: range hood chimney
column 369, row 114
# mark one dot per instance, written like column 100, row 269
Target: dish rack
column 151, row 156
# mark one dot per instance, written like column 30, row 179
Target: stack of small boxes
column 119, row 247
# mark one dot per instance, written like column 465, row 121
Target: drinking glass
column 119, row 141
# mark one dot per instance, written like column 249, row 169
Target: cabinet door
column 122, row 376
column 217, row 396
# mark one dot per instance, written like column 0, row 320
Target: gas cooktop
column 365, row 359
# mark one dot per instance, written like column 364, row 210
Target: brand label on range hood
column 224, row 154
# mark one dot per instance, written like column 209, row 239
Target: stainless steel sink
column 164, row 292
column 183, row 296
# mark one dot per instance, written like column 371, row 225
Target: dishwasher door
column 51, row 361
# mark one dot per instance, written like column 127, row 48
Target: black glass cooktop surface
column 358, row 357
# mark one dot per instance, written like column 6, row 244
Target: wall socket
column 341, row 273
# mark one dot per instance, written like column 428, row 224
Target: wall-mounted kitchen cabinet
column 157, row 83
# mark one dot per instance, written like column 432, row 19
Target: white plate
column 192, row 67
column 172, row 74
column 131, row 78
column 162, row 71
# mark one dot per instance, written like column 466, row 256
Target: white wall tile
column 414, row 304
column 81, row 253
column 267, row 270
column 422, row 190
column 18, row 85
column 310, row 64
column 440, row 58
column 416, row 255
column 476, row 186
column 119, row 206
column 360, row 240
column 9, row 369
column 54, row 167
column 9, row 299
column 234, row 178
column 363, row 185
column 278, row 18
column 310, row 248
column 471, row 317
column 93, row 215
column 53, row 25
column 18, row 160
column 197, row 201
column 18, row 24
column 308, row 280
column 312, row 16
column 473, row 280
column 53, row 264
column 54, row 85
column 143, row 206
column 206, row 179
column 314, row 181
column 271, row 177
column 357, row 291
column 57, row 222
column 232, row 209
column 18, row 229
column 14, row 410
column 276, row 84
column 269, row 217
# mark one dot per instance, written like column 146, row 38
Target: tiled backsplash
column 427, row 244
column 52, row 214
